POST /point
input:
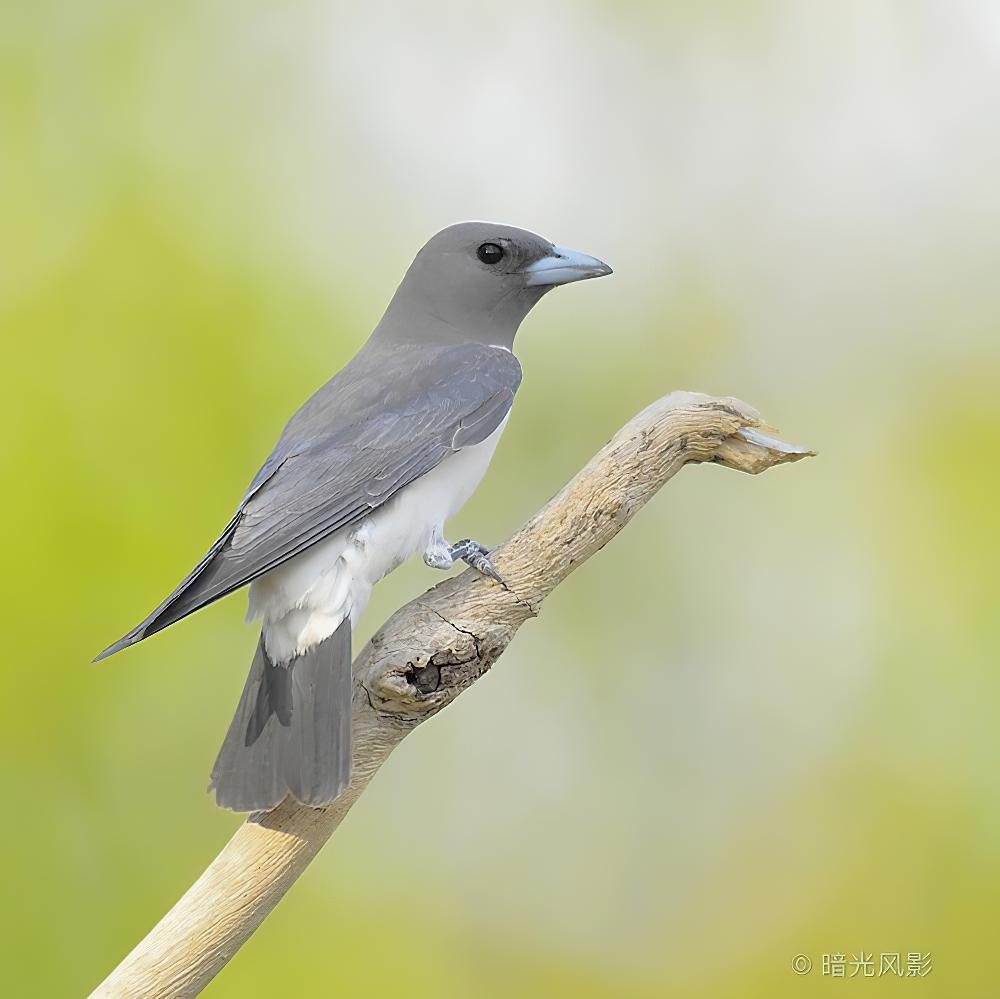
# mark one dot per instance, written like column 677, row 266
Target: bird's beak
column 561, row 266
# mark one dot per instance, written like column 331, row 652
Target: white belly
column 303, row 601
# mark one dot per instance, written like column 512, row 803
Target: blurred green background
column 763, row 722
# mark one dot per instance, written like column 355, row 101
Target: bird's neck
column 418, row 319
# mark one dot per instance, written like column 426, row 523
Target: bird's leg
column 438, row 553
column 441, row 555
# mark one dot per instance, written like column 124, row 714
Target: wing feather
column 377, row 426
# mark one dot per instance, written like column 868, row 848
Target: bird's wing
column 389, row 433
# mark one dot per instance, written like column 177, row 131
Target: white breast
column 303, row 601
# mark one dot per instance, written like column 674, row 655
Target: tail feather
column 291, row 733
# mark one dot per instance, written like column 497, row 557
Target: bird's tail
column 291, row 733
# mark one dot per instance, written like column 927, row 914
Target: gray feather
column 391, row 415
column 291, row 733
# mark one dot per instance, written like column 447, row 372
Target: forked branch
column 424, row 656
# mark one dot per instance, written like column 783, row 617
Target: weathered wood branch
column 423, row 657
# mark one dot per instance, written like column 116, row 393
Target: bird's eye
column 490, row 253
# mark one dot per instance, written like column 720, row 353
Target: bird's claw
column 478, row 556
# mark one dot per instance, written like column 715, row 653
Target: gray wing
column 389, row 417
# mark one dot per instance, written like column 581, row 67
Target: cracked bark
column 424, row 656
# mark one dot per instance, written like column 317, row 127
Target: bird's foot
column 478, row 556
column 441, row 555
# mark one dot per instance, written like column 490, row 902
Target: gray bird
column 363, row 476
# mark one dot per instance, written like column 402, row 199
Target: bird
column 365, row 475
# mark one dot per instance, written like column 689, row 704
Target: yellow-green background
column 763, row 722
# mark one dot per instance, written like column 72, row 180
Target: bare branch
column 424, row 656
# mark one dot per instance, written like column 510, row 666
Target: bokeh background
column 763, row 722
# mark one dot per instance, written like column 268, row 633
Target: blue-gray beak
column 561, row 266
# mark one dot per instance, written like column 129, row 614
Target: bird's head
column 478, row 280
